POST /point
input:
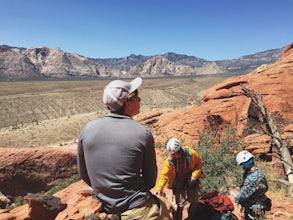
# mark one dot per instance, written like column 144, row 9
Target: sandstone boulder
column 34, row 170
column 75, row 202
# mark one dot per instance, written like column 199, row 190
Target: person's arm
column 81, row 163
column 197, row 164
column 149, row 169
column 165, row 173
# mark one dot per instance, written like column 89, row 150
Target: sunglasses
column 132, row 96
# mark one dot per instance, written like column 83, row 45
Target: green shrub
column 17, row 201
column 220, row 167
column 274, row 179
column 63, row 184
column 160, row 145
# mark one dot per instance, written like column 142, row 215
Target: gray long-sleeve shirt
column 116, row 157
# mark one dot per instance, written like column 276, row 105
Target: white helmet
column 173, row 145
column 243, row 156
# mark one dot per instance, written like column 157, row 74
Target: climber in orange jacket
column 181, row 172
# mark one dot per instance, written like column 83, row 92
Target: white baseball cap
column 117, row 91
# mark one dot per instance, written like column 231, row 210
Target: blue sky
column 208, row 29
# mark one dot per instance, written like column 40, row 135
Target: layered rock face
column 77, row 202
column 160, row 66
column 43, row 63
column 34, row 169
column 225, row 104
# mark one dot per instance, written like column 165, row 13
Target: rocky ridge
column 47, row 63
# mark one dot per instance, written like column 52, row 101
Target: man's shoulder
column 94, row 121
column 189, row 150
column 137, row 125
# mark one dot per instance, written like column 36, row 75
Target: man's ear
column 126, row 106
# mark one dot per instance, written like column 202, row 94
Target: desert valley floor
column 40, row 113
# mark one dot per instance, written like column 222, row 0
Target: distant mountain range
column 18, row 63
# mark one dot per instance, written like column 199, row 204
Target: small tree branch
column 280, row 157
column 271, row 130
column 284, row 182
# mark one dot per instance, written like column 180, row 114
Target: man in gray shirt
column 116, row 156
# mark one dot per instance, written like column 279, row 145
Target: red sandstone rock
column 24, row 170
column 80, row 202
column 77, row 202
column 43, row 206
column 224, row 104
column 39, row 206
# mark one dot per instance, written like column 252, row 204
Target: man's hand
column 192, row 180
column 236, row 199
column 158, row 193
